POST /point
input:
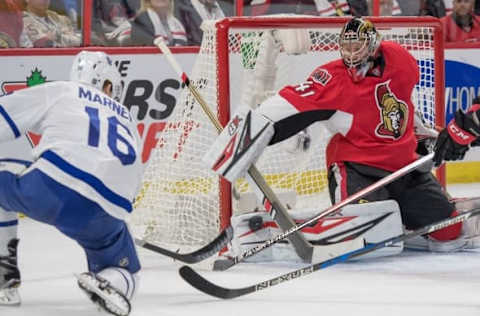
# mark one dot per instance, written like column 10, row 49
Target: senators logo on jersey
column 394, row 112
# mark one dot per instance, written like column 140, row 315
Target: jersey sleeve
column 294, row 108
column 407, row 63
column 22, row 110
column 318, row 92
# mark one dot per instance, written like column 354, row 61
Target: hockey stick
column 196, row 256
column 205, row 286
column 227, row 263
column 278, row 212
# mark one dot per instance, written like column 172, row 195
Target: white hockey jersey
column 89, row 143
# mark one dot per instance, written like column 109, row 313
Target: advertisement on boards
column 151, row 90
column 462, row 79
column 462, row 85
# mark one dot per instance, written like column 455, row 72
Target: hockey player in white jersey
column 85, row 175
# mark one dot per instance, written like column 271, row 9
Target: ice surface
column 413, row 283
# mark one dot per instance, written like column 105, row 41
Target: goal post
column 242, row 60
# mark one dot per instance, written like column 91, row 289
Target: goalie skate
column 471, row 232
column 100, row 292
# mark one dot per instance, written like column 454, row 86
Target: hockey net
column 183, row 205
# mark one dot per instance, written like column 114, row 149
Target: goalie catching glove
column 240, row 144
column 454, row 141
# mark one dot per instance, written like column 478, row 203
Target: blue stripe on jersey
column 10, row 122
column 89, row 179
column 9, row 223
column 26, row 163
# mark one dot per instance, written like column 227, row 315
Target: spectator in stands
column 46, row 28
column 11, row 24
column 69, row 8
column 462, row 25
column 156, row 19
column 387, row 7
column 409, row 7
column 192, row 13
column 309, row 7
column 358, row 7
column 113, row 13
column 434, row 8
column 111, row 20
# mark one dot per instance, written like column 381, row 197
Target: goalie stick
column 224, row 264
column 278, row 212
column 205, row 286
column 196, row 256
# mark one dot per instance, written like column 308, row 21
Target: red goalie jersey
column 371, row 121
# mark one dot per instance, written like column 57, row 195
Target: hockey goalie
column 364, row 100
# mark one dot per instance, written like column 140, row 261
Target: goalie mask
column 96, row 69
column 359, row 42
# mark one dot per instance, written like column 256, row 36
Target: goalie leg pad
column 240, row 144
column 331, row 236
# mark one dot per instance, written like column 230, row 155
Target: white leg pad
column 332, row 236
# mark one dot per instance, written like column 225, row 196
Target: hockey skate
column 471, row 232
column 426, row 243
column 106, row 297
column 10, row 276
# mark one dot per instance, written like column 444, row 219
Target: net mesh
column 180, row 205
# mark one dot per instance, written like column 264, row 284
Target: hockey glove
column 453, row 142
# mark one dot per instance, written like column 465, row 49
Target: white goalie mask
column 95, row 69
column 359, row 42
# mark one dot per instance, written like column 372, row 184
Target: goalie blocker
column 239, row 144
column 332, row 236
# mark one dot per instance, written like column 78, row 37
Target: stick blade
column 201, row 254
column 203, row 285
column 223, row 264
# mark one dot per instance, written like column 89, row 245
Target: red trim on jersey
column 343, row 183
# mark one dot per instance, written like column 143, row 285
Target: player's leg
column 111, row 255
column 422, row 202
column 9, row 272
column 345, row 179
column 107, row 241
column 112, row 262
